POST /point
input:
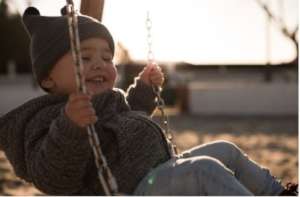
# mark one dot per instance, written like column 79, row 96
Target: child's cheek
column 114, row 74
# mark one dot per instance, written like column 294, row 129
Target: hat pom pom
column 31, row 11
column 63, row 11
column 28, row 19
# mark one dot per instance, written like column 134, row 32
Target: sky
column 195, row 31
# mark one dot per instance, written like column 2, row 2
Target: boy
column 46, row 141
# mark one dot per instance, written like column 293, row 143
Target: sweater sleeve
column 141, row 97
column 57, row 157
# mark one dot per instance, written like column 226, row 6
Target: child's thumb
column 151, row 66
column 148, row 68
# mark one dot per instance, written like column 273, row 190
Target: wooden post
column 93, row 8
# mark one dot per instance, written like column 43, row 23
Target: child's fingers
column 156, row 74
column 88, row 121
column 86, row 116
column 147, row 69
column 157, row 67
column 85, row 112
column 81, row 104
column 79, row 96
column 155, row 70
column 152, row 66
column 156, row 77
column 157, row 82
column 79, row 100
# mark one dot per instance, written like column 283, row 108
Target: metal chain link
column 105, row 176
column 160, row 103
column 150, row 55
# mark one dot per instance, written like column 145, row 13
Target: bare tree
column 278, row 21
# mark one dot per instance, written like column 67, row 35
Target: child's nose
column 98, row 65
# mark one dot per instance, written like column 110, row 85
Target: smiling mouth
column 96, row 80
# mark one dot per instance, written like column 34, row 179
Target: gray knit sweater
column 46, row 148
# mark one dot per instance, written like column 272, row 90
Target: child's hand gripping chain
column 152, row 75
column 81, row 102
column 80, row 111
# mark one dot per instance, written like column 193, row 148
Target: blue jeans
column 218, row 168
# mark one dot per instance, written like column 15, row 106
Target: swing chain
column 150, row 55
column 160, row 103
column 105, row 176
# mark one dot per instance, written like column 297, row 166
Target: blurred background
column 231, row 70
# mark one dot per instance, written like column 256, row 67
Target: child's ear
column 48, row 83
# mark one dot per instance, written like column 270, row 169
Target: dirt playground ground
column 270, row 141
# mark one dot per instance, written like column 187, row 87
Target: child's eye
column 107, row 59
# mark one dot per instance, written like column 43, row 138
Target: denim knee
column 233, row 154
column 207, row 164
column 228, row 147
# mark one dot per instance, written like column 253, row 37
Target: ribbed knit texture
column 50, row 39
column 46, row 148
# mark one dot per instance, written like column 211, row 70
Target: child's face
column 99, row 71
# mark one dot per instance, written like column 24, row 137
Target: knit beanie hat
column 50, row 38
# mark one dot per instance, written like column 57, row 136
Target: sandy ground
column 270, row 141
